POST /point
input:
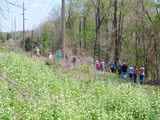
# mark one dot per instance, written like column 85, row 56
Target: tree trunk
column 99, row 24
column 69, row 16
column 115, row 33
column 120, row 29
column 108, row 50
column 84, row 27
column 95, row 42
column 136, row 46
column 80, row 38
column 97, row 39
column 63, row 29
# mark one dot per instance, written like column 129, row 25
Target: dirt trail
column 81, row 61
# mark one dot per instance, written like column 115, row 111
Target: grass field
column 76, row 95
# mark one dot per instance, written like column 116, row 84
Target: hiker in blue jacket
column 112, row 66
column 130, row 72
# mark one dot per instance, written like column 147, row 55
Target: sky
column 37, row 11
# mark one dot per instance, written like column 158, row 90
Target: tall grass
column 56, row 96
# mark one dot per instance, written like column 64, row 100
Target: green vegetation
column 111, row 30
column 46, row 94
column 5, row 49
column 2, row 39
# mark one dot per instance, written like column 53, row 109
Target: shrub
column 5, row 49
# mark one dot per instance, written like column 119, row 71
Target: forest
column 113, row 30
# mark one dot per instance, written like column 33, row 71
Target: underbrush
column 46, row 94
column 52, row 64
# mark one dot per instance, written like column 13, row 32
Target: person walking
column 142, row 74
column 119, row 68
column 37, row 52
column 102, row 65
column 80, row 61
column 97, row 65
column 92, row 62
column 66, row 58
column 124, row 70
column 59, row 56
column 74, row 60
column 50, row 56
column 135, row 74
column 113, row 67
column 130, row 73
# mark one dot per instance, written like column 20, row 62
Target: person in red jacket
column 97, row 65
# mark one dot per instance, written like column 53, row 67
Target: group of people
column 123, row 70
column 59, row 56
column 133, row 72
column 100, row 66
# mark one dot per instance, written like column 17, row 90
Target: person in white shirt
column 142, row 75
column 50, row 56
